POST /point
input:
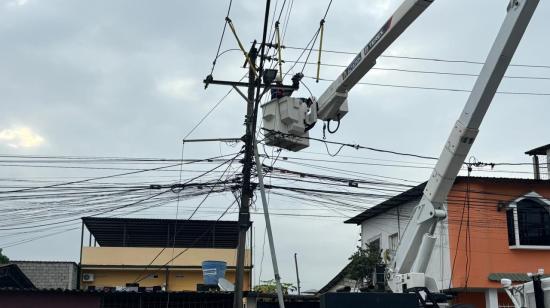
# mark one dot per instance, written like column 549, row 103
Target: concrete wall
column 116, row 266
column 143, row 256
column 28, row 300
column 344, row 282
column 489, row 250
column 178, row 279
column 386, row 224
column 50, row 275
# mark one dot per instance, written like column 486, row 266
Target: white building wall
column 491, row 298
column 344, row 282
column 388, row 223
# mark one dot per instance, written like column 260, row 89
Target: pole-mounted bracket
column 246, row 84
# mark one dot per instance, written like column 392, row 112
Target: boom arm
column 287, row 119
column 414, row 250
column 332, row 104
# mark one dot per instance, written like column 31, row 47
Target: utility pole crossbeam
column 245, row 84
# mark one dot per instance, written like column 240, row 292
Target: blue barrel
column 212, row 271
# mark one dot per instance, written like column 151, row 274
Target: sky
column 124, row 79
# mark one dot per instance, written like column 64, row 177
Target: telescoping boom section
column 407, row 270
column 332, row 104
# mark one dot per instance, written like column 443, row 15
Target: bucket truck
column 287, row 120
column 535, row 293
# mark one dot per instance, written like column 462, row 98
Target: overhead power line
column 311, row 42
column 126, row 204
column 319, row 31
column 216, row 105
column 424, row 58
column 355, row 146
column 221, row 38
column 435, row 88
column 103, row 177
column 209, row 229
column 176, row 231
column 421, row 71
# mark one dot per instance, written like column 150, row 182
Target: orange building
column 156, row 253
column 496, row 228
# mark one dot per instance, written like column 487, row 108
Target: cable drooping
column 426, row 58
column 436, row 88
column 221, row 38
column 355, row 146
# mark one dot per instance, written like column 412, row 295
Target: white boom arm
column 414, row 251
column 286, row 120
column 332, row 104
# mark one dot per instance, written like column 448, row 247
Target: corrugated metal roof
column 140, row 232
column 334, row 281
column 411, row 194
column 539, row 151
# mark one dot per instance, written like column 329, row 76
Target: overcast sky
column 124, row 78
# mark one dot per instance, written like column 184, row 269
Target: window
column 393, row 241
column 528, row 221
column 375, row 243
column 533, row 223
column 511, row 227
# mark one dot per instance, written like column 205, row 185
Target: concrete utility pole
column 259, row 168
column 253, row 100
column 246, row 194
column 297, row 274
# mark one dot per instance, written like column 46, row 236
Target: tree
column 363, row 264
column 269, row 286
column 3, row 258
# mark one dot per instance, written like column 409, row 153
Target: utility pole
column 246, row 194
column 257, row 81
column 259, row 168
column 252, row 101
column 252, row 105
column 297, row 275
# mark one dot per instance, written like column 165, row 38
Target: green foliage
column 3, row 258
column 363, row 263
column 269, row 286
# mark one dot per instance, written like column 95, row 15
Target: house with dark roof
column 160, row 254
column 495, row 228
column 49, row 274
column 12, row 277
column 535, row 153
column 339, row 283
